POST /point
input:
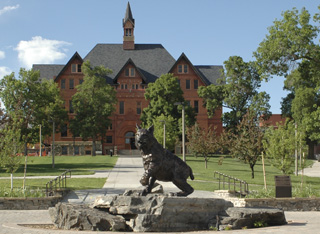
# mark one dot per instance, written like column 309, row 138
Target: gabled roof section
column 124, row 66
column 128, row 15
column 76, row 55
column 152, row 60
column 183, row 56
column 210, row 73
column 48, row 71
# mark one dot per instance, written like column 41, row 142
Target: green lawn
column 80, row 165
column 204, row 178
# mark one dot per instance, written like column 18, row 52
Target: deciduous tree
column 236, row 91
column 94, row 103
column 162, row 96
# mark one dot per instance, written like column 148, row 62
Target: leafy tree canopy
column 31, row 102
column 93, row 103
column 162, row 96
column 292, row 49
column 237, row 91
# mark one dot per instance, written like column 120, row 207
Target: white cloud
column 4, row 71
column 40, row 51
column 8, row 8
column 2, row 55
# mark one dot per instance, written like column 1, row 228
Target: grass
column 204, row 179
column 80, row 165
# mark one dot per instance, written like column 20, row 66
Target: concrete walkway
column 313, row 171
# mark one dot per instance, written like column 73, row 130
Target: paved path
column 313, row 171
column 298, row 222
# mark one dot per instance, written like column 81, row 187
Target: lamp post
column 40, row 148
column 183, row 131
column 164, row 133
column 52, row 143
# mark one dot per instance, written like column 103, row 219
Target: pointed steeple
column 128, row 15
column 128, row 29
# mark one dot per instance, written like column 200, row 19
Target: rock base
column 160, row 213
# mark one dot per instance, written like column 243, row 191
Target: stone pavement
column 126, row 174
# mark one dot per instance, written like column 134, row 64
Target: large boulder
column 239, row 217
column 82, row 217
column 158, row 213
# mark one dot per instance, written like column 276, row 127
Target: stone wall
column 41, row 203
column 287, row 204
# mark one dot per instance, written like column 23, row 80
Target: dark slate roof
column 153, row 60
column 48, row 71
column 210, row 73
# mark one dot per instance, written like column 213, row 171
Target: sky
column 207, row 31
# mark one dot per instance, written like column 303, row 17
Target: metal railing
column 229, row 182
column 59, row 182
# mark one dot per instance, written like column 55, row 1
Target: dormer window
column 182, row 68
column 75, row 68
column 130, row 72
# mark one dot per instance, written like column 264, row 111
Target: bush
column 19, row 192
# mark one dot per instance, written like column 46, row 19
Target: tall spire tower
column 128, row 30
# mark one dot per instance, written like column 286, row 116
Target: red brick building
column 134, row 66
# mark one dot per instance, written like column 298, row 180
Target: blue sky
column 207, row 31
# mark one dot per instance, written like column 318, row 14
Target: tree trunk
column 25, row 167
column 252, row 170
column 74, row 146
column 93, row 152
column 206, row 161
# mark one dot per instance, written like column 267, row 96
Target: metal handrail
column 243, row 185
column 58, row 182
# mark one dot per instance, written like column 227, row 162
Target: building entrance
column 130, row 141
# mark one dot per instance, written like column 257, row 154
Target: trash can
column 111, row 152
column 283, row 186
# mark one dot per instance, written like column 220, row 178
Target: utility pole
column 183, row 131
column 52, row 150
column 164, row 133
column 40, row 145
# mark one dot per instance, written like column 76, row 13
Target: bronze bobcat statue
column 161, row 164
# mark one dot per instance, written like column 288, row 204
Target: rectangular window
column 76, row 150
column 138, row 108
column 137, row 86
column 179, row 82
column 70, row 107
column 126, row 73
column 71, row 84
column 75, row 68
column 185, row 68
column 196, row 106
column 80, row 81
column 121, row 108
column 109, row 139
column 188, row 103
column 195, row 84
column 133, row 86
column 132, row 72
column 64, row 150
column 110, row 127
column 63, row 84
column 64, row 130
column 179, row 68
column 125, row 86
column 187, row 84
